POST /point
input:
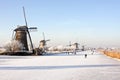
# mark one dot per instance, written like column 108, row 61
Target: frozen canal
column 60, row 67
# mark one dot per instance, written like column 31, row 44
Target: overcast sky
column 88, row 22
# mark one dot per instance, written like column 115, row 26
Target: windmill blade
column 24, row 15
column 70, row 43
column 30, row 40
column 32, row 29
column 47, row 40
column 27, row 28
column 43, row 36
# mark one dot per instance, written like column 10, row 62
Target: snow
column 60, row 67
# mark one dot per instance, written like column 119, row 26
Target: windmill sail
column 27, row 29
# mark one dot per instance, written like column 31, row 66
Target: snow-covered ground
column 60, row 67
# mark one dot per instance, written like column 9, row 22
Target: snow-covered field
column 60, row 67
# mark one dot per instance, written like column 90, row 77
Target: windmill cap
column 21, row 28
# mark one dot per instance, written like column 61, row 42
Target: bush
column 14, row 45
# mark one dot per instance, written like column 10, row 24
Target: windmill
column 73, row 47
column 21, row 33
column 83, row 47
column 76, row 45
column 43, row 43
column 70, row 44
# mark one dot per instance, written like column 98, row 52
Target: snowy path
column 59, row 67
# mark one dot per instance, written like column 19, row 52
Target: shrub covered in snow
column 14, row 45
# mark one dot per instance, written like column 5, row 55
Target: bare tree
column 14, row 45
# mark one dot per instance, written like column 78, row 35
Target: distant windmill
column 76, row 45
column 43, row 43
column 21, row 33
column 70, row 44
column 83, row 47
